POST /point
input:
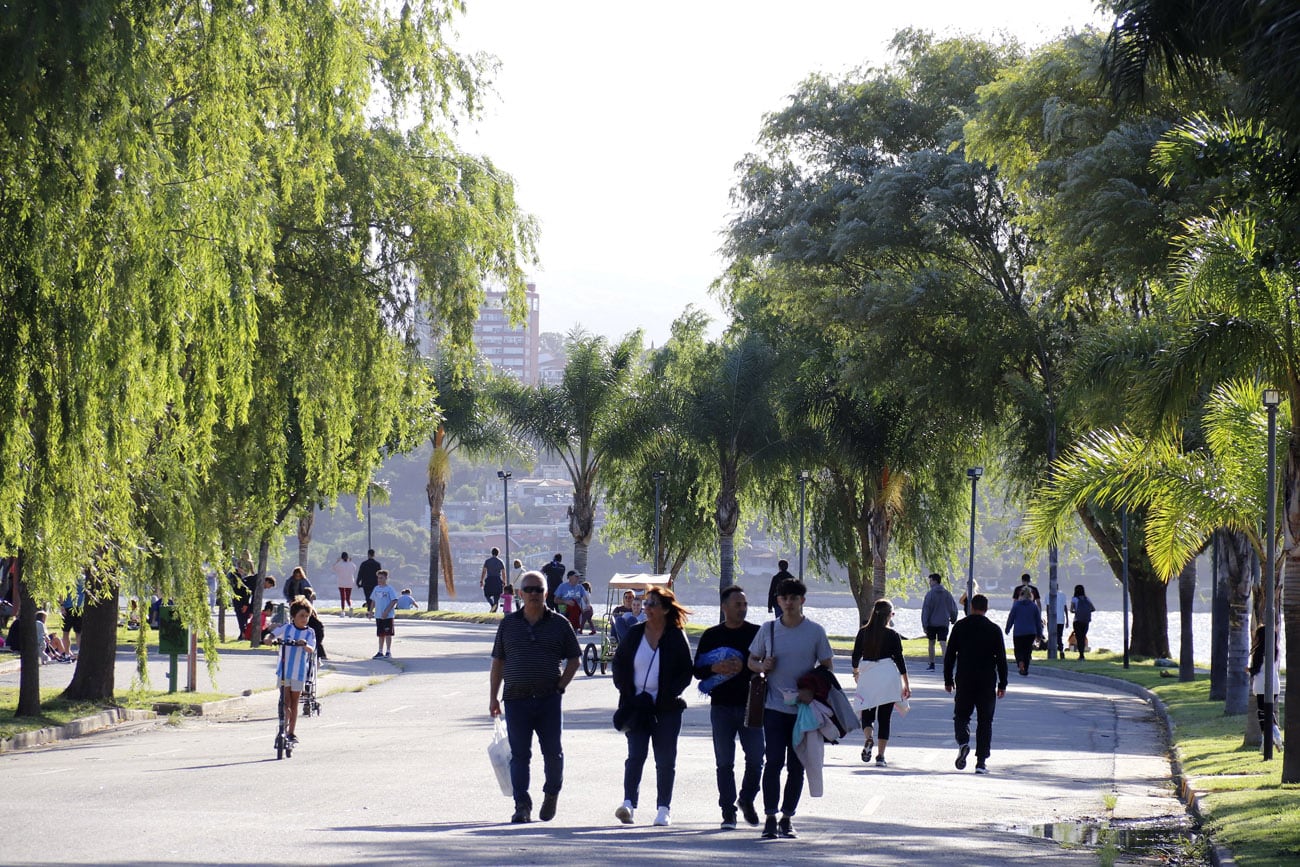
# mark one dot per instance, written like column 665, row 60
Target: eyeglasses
column 530, row 589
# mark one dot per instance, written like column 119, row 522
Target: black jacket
column 978, row 651
column 675, row 667
column 771, row 588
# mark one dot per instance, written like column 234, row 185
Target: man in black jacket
column 727, row 706
column 368, row 579
column 782, row 574
column 977, row 650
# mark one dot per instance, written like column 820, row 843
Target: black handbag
column 757, row 700
column 637, row 713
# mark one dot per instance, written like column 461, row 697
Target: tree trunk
column 881, row 526
column 1150, row 610
column 435, row 554
column 29, row 676
column 93, row 679
column 255, row 614
column 1053, row 590
column 1186, row 596
column 1150, row 628
column 1218, row 625
column 582, row 523
column 726, row 559
column 1291, row 595
column 727, row 515
column 305, row 523
column 1236, row 562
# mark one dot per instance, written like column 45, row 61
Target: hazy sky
column 622, row 123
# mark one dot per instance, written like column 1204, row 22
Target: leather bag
column 757, row 700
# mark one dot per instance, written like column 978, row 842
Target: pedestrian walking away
column 384, row 600
column 1265, row 694
column 1026, row 583
column 531, row 646
column 785, row 649
column 652, row 669
column 976, row 667
column 1024, row 622
column 492, row 581
column 722, row 665
column 938, row 612
column 554, row 574
column 345, row 577
column 782, row 575
column 881, row 674
column 368, row 579
column 1062, row 620
column 1082, row 609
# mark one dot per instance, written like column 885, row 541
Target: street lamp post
column 1272, row 397
column 505, row 492
column 973, row 474
column 803, row 478
column 369, row 543
column 658, row 477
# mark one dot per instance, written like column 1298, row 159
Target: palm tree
column 580, row 420
column 468, row 422
column 1186, row 497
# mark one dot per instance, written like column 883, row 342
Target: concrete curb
column 1188, row 795
column 77, row 728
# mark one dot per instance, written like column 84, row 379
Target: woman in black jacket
column 652, row 668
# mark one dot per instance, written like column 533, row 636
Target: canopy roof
column 638, row 581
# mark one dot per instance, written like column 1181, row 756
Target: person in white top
column 345, row 575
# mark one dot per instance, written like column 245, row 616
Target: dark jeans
column 728, row 724
column 778, row 729
column 1081, row 635
column 869, row 714
column 524, row 716
column 983, row 701
column 493, row 599
column 1060, row 639
column 1264, row 709
column 1024, row 645
column 664, row 737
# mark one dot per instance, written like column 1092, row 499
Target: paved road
column 397, row 773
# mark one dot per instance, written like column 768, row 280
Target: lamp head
column 1272, row 397
column 974, row 472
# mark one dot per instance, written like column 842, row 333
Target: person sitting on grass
column 406, row 602
column 291, row 672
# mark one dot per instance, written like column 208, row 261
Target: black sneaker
column 930, row 667
column 293, row 739
column 962, row 752
column 547, row 813
column 980, row 768
column 867, row 748
column 729, row 821
column 769, row 828
column 747, row 810
column 785, row 829
column 523, row 813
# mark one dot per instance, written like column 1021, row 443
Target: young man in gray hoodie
column 938, row 612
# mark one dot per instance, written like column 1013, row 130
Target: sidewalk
column 247, row 676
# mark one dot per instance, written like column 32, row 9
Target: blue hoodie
column 1024, row 616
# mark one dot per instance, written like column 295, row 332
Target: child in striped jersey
column 291, row 673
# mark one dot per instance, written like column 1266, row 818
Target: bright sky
column 622, row 123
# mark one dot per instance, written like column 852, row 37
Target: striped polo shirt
column 533, row 653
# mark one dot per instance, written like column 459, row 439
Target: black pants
column 983, row 701
column 1265, row 710
column 1060, row 639
column 778, row 728
column 884, row 713
column 1081, row 636
column 1024, row 645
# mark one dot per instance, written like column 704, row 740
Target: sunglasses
column 651, row 605
column 530, row 589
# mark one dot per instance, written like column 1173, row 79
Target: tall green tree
column 579, row 420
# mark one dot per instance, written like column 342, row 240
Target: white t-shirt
column 645, row 666
column 797, row 652
column 345, row 573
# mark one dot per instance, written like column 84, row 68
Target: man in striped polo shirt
column 531, row 645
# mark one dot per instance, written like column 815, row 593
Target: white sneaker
column 662, row 817
column 624, row 813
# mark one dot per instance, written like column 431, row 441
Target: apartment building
column 509, row 349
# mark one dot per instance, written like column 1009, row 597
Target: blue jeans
column 664, row 737
column 524, row 716
column 778, row 729
column 728, row 724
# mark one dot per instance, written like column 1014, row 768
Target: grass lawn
column 1246, row 807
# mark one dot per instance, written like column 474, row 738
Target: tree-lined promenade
column 1074, row 265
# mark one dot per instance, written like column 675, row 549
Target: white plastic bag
column 902, row 706
column 499, row 754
